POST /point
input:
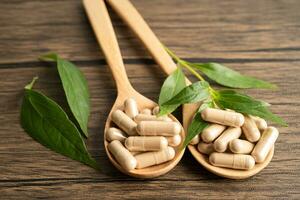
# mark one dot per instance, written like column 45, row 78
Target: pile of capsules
column 233, row 140
column 142, row 139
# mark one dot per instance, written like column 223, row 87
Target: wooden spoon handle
column 136, row 22
column 103, row 29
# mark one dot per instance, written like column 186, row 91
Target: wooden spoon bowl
column 138, row 25
column 149, row 172
column 101, row 23
column 187, row 114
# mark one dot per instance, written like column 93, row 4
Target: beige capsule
column 146, row 111
column 260, row 123
column 206, row 148
column 250, row 130
column 210, row 133
column 223, row 140
column 124, row 122
column 154, row 158
column 122, row 155
column 241, row 146
column 115, row 134
column 174, row 141
column 264, row 145
column 143, row 117
column 131, row 108
column 234, row 161
column 142, row 143
column 223, row 117
column 195, row 140
column 158, row 128
column 155, row 110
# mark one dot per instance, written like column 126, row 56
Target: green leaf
column 228, row 77
column 76, row 89
column 193, row 93
column 240, row 99
column 46, row 122
column 173, row 84
column 198, row 124
column 246, row 105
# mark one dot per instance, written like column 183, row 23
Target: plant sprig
column 47, row 123
column 223, row 99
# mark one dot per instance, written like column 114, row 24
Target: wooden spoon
column 100, row 21
column 136, row 22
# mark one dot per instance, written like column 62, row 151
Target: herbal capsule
column 143, row 117
column 206, row 148
column 115, row 134
column 146, row 111
column 229, row 134
column 130, row 107
column 260, row 123
column 250, row 130
column 158, row 128
column 234, row 161
column 155, row 110
column 154, row 158
column 122, row 155
column 174, row 141
column 264, row 145
column 210, row 133
column 195, row 140
column 141, row 143
column 223, row 117
column 124, row 122
column 240, row 146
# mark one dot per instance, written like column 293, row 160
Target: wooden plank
column 34, row 171
column 193, row 29
column 258, row 38
column 169, row 189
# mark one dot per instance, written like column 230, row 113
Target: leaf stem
column 184, row 64
column 30, row 85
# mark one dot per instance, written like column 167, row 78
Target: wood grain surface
column 258, row 38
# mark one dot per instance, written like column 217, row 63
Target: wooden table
column 258, row 38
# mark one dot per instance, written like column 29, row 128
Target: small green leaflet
column 173, row 84
column 197, row 125
column 228, row 77
column 246, row 104
column 46, row 122
column 193, row 93
column 76, row 89
column 195, row 128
